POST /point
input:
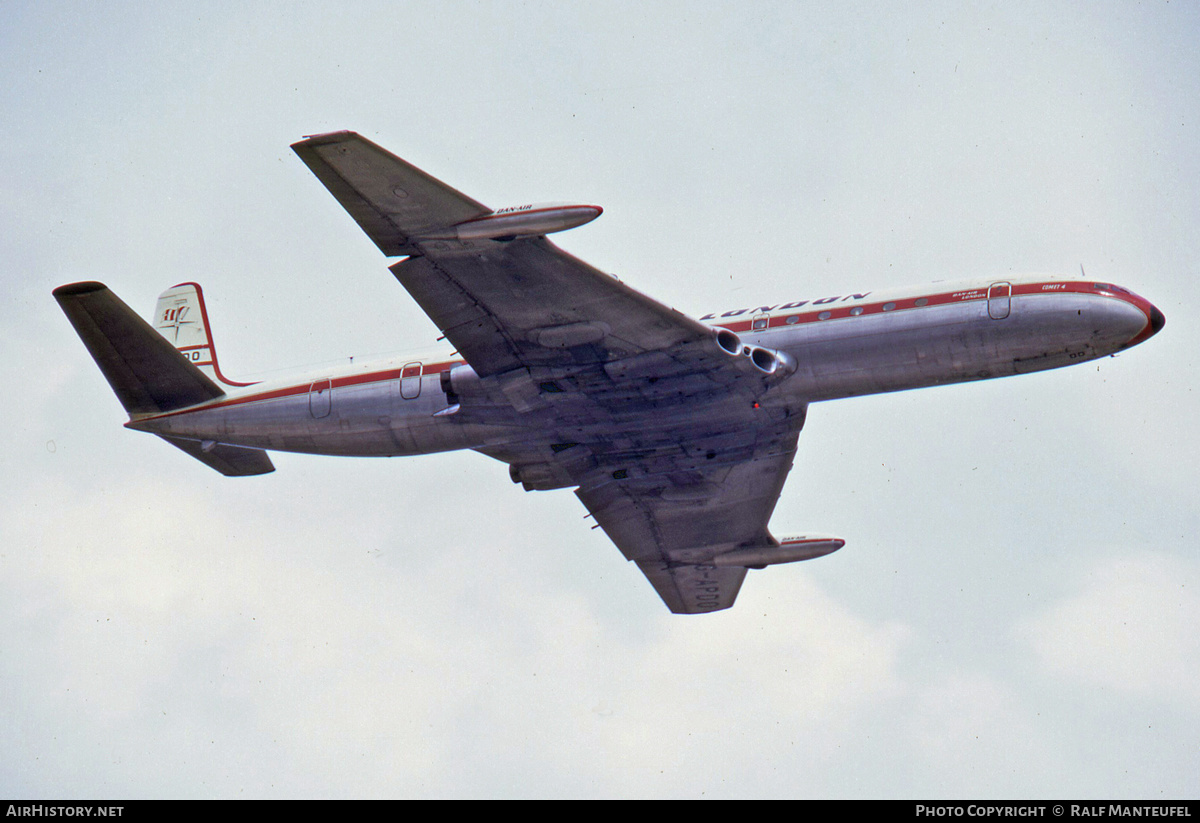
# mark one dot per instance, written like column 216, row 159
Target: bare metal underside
column 677, row 434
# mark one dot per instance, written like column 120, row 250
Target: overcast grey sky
column 1014, row 613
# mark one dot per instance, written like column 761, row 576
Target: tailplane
column 148, row 373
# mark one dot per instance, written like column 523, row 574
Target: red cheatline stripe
column 836, row 311
column 303, row 388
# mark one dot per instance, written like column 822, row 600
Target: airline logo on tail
column 172, row 319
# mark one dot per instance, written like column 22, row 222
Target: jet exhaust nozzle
column 771, row 362
column 729, row 342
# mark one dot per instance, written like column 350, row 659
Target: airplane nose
column 1136, row 315
column 1157, row 320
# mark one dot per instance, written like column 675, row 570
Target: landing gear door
column 999, row 300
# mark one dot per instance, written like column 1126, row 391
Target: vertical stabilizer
column 180, row 317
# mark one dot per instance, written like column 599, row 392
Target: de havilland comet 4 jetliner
column 677, row 433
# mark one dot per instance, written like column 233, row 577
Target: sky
column 1014, row 612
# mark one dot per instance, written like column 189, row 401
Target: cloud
column 1130, row 628
column 153, row 623
column 971, row 735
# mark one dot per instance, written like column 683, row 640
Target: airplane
column 677, row 434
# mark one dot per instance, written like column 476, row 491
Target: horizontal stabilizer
column 231, row 461
column 146, row 372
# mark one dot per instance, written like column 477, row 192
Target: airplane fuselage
column 850, row 345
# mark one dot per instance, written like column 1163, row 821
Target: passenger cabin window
column 889, row 306
column 825, row 315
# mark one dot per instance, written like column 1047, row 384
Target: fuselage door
column 410, row 381
column 999, row 300
column 320, row 394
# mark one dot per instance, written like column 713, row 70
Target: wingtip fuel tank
column 529, row 220
column 789, row 550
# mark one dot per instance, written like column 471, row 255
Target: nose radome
column 1157, row 320
column 1145, row 311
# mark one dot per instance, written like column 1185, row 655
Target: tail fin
column 181, row 318
column 146, row 372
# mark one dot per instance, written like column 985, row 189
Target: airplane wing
column 503, row 305
column 647, row 411
column 676, row 531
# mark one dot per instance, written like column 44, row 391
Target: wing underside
column 526, row 303
column 676, row 526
